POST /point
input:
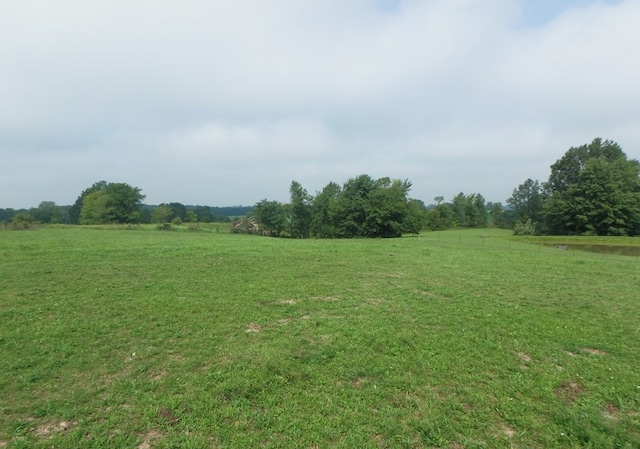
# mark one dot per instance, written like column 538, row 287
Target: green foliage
column 363, row 207
column 527, row 227
column 110, row 203
column 48, row 212
column 272, row 216
column 526, row 201
column 76, row 209
column 594, row 190
column 301, row 213
column 21, row 221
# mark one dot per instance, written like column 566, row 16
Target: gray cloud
column 226, row 102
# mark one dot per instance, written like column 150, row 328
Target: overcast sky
column 226, row 102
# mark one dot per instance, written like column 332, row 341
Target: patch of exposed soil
column 46, row 430
column 357, row 383
column 253, row 328
column 523, row 357
column 611, row 412
column 568, row 390
column 150, row 439
column 593, row 351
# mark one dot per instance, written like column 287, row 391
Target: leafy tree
column 95, row 208
column 526, row 202
column 415, row 218
column 469, row 211
column 22, row 220
column 115, row 203
column 324, row 211
column 178, row 210
column 49, row 212
column 594, row 190
column 74, row 211
column 351, row 207
column 386, row 208
column 271, row 215
column 301, row 213
column 161, row 214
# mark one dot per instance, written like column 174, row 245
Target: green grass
column 148, row 339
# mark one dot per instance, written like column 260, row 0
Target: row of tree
column 105, row 202
column 593, row 189
column 361, row 207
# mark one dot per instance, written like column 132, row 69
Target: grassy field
column 148, row 339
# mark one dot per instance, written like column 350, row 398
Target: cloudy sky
column 226, row 102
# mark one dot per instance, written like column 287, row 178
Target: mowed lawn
column 149, row 339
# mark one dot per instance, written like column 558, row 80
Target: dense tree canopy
column 592, row 190
column 110, row 203
column 362, row 207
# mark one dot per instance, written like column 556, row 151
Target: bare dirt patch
column 526, row 358
column 611, row 412
column 508, row 431
column 283, row 321
column 593, row 351
column 326, row 298
column 568, row 390
column 150, row 439
column 287, row 301
column 46, row 430
column 357, row 383
column 253, row 328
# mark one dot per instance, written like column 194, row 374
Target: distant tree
column 526, row 202
column 416, row 217
column 301, row 212
column 203, row 214
column 74, row 211
column 115, row 203
column 95, row 208
column 469, row 211
column 323, row 211
column 161, row 214
column 49, row 212
column 271, row 216
column 178, row 210
column 593, row 190
column 496, row 215
column 22, row 220
column 386, row 208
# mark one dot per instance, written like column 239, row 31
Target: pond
column 621, row 250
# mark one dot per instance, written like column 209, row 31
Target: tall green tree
column 526, row 202
column 323, row 221
column 74, row 211
column 301, row 213
column 272, row 217
column 594, row 190
column 115, row 203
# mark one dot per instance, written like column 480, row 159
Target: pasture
column 149, row 339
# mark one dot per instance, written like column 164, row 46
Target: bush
column 22, row 220
column 525, row 228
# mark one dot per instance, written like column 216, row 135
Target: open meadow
column 147, row 339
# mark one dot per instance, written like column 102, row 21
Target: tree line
column 107, row 203
column 594, row 189
column 360, row 207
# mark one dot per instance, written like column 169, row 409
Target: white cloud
column 183, row 99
